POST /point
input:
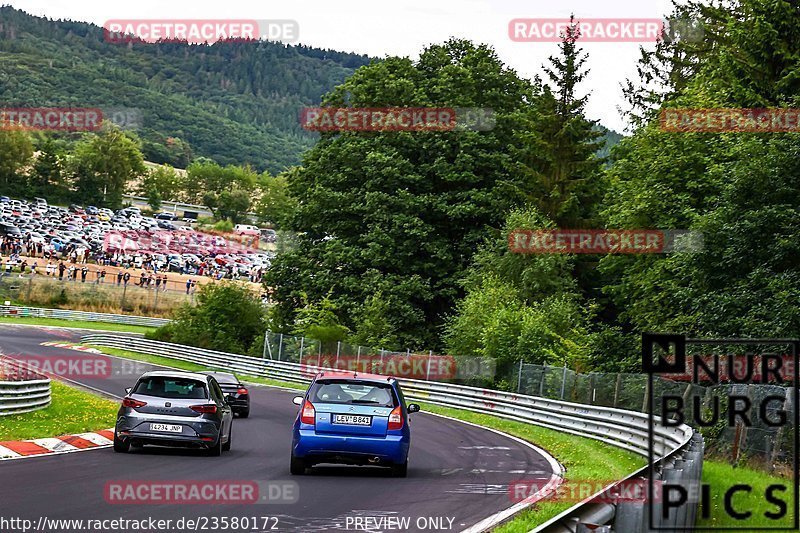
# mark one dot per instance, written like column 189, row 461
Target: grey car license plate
column 353, row 420
column 169, row 428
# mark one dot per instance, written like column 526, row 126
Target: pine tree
column 557, row 152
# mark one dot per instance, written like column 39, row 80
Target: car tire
column 400, row 470
column 245, row 413
column 227, row 446
column 216, row 450
column 121, row 446
column 297, row 466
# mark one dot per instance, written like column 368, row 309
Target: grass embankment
column 721, row 476
column 71, row 411
column 82, row 324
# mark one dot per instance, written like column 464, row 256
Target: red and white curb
column 70, row 346
column 56, row 445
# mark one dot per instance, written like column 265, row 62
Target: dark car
column 92, row 210
column 165, row 224
column 172, row 408
column 235, row 391
column 165, row 216
column 9, row 230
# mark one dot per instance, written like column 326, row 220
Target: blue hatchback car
column 351, row 418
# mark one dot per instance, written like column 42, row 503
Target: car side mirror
column 297, row 400
column 128, row 390
column 413, row 408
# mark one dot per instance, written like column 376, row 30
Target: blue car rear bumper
column 350, row 449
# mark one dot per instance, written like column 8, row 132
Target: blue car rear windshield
column 165, row 387
column 351, row 392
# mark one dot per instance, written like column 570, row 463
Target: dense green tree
column 103, row 164
column 162, row 183
column 48, row 169
column 401, row 213
column 228, row 317
column 558, row 143
column 275, row 204
column 16, row 151
column 231, row 204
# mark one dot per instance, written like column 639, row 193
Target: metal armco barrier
column 21, row 390
column 679, row 450
column 65, row 314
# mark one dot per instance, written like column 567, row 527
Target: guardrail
column 678, row 449
column 66, row 314
column 21, row 389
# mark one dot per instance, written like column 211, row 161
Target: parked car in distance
column 269, row 235
column 236, row 392
column 246, row 229
column 173, row 408
column 165, row 216
column 351, row 418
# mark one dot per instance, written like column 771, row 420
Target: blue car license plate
column 352, row 420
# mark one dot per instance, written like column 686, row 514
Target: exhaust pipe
column 374, row 460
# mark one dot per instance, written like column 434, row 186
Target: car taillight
column 130, row 402
column 308, row 414
column 396, row 418
column 241, row 390
column 208, row 409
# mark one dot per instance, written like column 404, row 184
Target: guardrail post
column 563, row 380
column 280, row 346
column 519, row 376
column 617, row 386
column 358, row 355
column 541, row 381
column 266, row 345
column 302, row 340
column 428, row 370
column 338, row 349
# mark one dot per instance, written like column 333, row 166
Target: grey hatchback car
column 171, row 408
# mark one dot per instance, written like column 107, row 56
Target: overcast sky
column 404, row 27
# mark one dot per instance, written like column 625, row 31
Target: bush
column 225, row 226
column 228, row 317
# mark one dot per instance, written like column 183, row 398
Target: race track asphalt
column 456, row 471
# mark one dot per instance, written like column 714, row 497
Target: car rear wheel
column 227, row 446
column 400, row 470
column 297, row 466
column 216, row 450
column 121, row 446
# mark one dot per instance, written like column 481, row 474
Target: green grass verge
column 721, row 476
column 34, row 321
column 72, row 411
